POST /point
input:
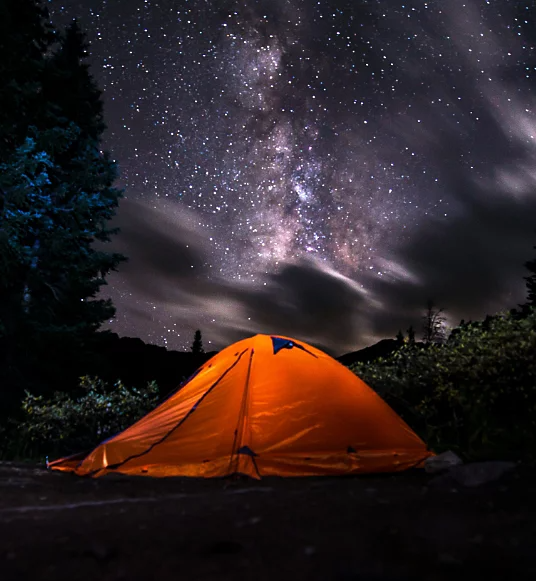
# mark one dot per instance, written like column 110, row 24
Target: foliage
column 476, row 394
column 64, row 424
column 47, row 229
column 57, row 197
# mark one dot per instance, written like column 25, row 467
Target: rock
column 441, row 462
column 480, row 473
column 471, row 475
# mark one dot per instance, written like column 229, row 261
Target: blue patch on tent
column 278, row 343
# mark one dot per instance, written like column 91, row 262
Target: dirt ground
column 402, row 527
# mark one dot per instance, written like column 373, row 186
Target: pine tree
column 76, row 107
column 74, row 199
column 49, row 232
column 57, row 195
column 411, row 335
column 69, row 87
column 400, row 337
column 531, row 282
column 25, row 38
column 197, row 345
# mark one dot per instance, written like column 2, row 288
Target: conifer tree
column 197, row 345
column 531, row 282
column 25, row 38
column 56, row 192
column 86, row 175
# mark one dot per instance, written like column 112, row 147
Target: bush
column 476, row 394
column 64, row 424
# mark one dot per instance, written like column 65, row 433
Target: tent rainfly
column 264, row 406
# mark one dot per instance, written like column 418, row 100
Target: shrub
column 64, row 424
column 475, row 395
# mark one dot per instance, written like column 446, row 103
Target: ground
column 378, row 528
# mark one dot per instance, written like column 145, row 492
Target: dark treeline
column 57, row 197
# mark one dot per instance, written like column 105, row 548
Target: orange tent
column 265, row 406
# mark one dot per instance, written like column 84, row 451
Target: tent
column 264, row 406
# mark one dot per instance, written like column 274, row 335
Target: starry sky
column 315, row 168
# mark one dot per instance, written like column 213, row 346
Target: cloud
column 482, row 146
column 166, row 251
column 471, row 263
column 460, row 112
column 305, row 299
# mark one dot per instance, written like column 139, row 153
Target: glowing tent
column 265, row 406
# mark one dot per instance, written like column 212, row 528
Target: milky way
column 301, row 166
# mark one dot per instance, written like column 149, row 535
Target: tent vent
column 351, row 450
column 247, row 451
column 279, row 343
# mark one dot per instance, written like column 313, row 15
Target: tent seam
column 237, row 443
column 182, row 421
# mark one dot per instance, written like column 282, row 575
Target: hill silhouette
column 136, row 363
column 367, row 354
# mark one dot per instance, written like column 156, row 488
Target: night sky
column 315, row 168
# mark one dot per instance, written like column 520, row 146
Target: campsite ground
column 57, row 526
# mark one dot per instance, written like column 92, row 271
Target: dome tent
column 264, row 406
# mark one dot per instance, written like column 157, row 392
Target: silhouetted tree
column 56, row 198
column 197, row 345
column 433, row 324
column 531, row 282
column 400, row 336
column 411, row 335
column 25, row 38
